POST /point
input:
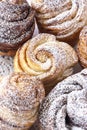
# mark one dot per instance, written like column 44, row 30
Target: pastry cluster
column 66, row 104
column 46, row 58
column 20, row 96
column 63, row 18
column 16, row 25
column 39, row 65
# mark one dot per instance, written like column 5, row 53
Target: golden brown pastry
column 20, row 96
column 63, row 18
column 16, row 25
column 82, row 47
column 46, row 58
column 66, row 105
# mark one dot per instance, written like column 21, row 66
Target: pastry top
column 20, row 92
column 64, row 18
column 46, row 58
column 48, row 52
column 66, row 104
column 16, row 23
column 82, row 47
column 13, row 12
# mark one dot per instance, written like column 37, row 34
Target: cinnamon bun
column 20, row 96
column 16, row 25
column 46, row 58
column 63, row 18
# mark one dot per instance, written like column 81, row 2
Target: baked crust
column 66, row 104
column 20, row 96
column 16, row 25
column 46, row 58
column 63, row 18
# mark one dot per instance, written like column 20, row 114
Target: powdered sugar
column 6, row 65
column 16, row 24
column 62, row 18
column 74, row 85
column 20, row 96
column 46, row 58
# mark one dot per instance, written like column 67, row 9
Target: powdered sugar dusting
column 6, row 65
column 20, row 96
column 47, row 58
column 17, row 24
column 72, row 93
column 63, row 18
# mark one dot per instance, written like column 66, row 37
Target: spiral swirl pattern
column 16, row 24
column 46, row 58
column 66, row 105
column 20, row 96
column 63, row 18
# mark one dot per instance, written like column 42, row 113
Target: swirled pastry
column 46, row 58
column 63, row 18
column 82, row 47
column 16, row 25
column 66, row 105
column 20, row 96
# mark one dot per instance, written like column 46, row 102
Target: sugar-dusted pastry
column 63, row 18
column 16, row 25
column 20, row 96
column 46, row 58
column 6, row 65
column 66, row 104
column 82, row 47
